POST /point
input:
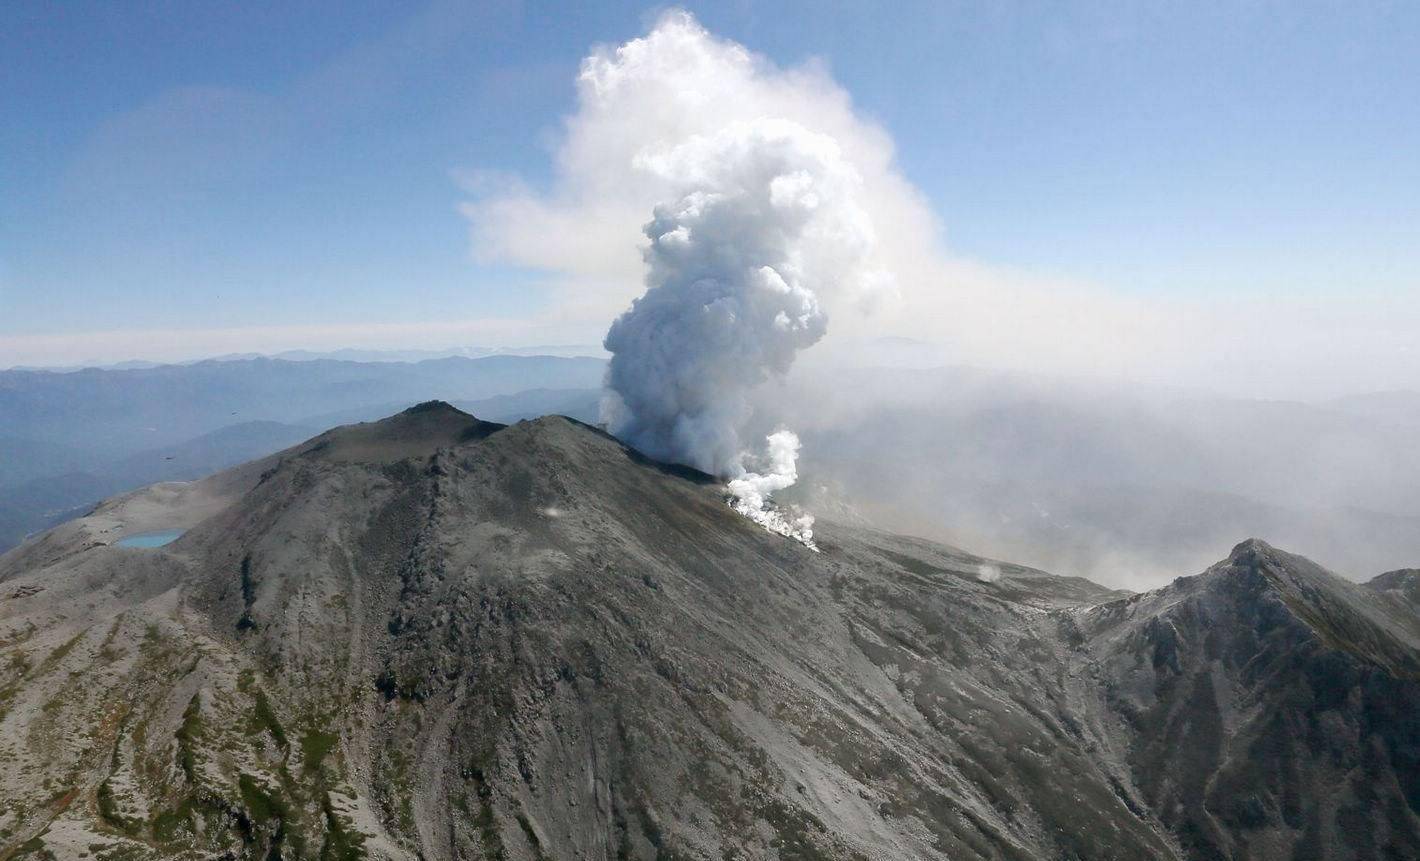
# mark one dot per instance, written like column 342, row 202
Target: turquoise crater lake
column 151, row 539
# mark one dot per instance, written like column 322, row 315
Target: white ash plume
column 763, row 221
column 988, row 572
column 750, row 492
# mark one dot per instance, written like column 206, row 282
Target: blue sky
column 229, row 166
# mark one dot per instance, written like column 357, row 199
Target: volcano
column 436, row 637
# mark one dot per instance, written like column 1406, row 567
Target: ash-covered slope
column 1402, row 585
column 1272, row 708
column 436, row 637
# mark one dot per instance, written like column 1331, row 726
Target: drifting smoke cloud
column 761, row 220
column 679, row 81
column 677, row 111
column 764, row 218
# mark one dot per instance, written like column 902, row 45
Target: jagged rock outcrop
column 1402, row 585
column 1270, row 707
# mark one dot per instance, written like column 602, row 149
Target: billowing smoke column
column 762, row 224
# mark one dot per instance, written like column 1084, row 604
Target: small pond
column 151, row 539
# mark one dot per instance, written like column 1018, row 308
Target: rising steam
column 761, row 222
column 750, row 492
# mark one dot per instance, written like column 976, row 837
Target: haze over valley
column 1125, row 485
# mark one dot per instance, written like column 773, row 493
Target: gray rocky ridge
column 435, row 637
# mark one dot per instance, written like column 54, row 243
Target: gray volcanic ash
column 437, row 637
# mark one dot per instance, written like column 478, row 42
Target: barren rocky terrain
column 435, row 637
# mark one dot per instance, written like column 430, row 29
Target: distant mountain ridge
column 149, row 407
column 344, row 354
column 69, row 440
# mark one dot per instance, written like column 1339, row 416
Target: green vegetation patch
column 315, row 746
column 264, row 720
column 187, row 735
column 19, row 663
column 62, row 652
column 33, row 848
column 342, row 841
column 107, row 653
column 270, row 810
column 109, row 812
column 263, row 806
column 246, row 623
column 484, row 820
column 168, row 826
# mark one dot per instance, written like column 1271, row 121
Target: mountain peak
column 1251, row 551
column 419, row 431
column 434, row 406
column 1401, row 578
column 1403, row 584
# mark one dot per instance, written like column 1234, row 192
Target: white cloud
column 679, row 81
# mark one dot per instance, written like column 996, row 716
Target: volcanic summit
column 436, row 637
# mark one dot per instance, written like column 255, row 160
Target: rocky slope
column 437, row 637
column 1272, row 709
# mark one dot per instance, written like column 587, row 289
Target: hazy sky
column 186, row 179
